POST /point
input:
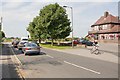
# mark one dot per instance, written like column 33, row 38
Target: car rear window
column 31, row 45
column 22, row 42
column 24, row 39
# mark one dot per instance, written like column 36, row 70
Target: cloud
column 60, row 0
column 17, row 15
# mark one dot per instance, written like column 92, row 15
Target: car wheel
column 25, row 54
column 19, row 48
column 38, row 53
column 22, row 51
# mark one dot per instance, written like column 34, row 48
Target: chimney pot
column 106, row 14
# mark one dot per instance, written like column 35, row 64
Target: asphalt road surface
column 8, row 69
column 55, row 64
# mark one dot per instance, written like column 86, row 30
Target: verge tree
column 31, row 30
column 35, row 29
column 2, row 34
column 55, row 21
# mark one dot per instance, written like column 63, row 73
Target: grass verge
column 55, row 47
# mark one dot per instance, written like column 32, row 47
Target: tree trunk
column 58, row 42
column 39, row 40
column 52, row 42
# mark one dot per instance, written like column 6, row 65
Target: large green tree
column 35, row 29
column 55, row 21
column 52, row 22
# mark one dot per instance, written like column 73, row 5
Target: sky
column 18, row 14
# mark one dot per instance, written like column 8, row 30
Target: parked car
column 31, row 48
column 89, row 43
column 83, row 41
column 24, row 39
column 21, row 45
column 75, row 41
column 86, row 42
column 15, row 43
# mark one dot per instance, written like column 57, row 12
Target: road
column 8, row 68
column 55, row 64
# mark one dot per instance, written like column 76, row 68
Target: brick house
column 106, row 28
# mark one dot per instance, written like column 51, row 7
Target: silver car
column 31, row 48
column 21, row 45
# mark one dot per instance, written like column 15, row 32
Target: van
column 24, row 39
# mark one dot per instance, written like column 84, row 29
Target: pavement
column 109, row 52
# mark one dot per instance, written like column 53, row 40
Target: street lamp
column 71, row 21
column 1, row 24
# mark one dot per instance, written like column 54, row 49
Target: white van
column 24, row 39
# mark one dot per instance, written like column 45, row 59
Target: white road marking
column 20, row 73
column 83, row 67
column 16, row 57
column 49, row 56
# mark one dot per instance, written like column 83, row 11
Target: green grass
column 7, row 40
column 55, row 47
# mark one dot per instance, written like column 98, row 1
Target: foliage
column 52, row 23
column 2, row 34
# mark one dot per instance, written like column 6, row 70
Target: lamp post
column 72, row 22
column 1, row 24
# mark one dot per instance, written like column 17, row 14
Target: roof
column 107, row 18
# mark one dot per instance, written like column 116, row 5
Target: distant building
column 106, row 28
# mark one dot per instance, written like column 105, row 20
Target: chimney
column 106, row 14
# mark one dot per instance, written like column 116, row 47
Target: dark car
column 82, row 41
column 86, row 42
column 15, row 43
column 89, row 43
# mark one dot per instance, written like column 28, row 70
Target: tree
column 55, row 21
column 52, row 22
column 2, row 34
column 31, row 29
column 35, row 29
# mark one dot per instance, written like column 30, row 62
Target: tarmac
column 109, row 52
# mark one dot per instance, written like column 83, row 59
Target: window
column 104, row 26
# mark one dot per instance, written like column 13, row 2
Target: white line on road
column 49, row 56
column 83, row 67
column 16, row 57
